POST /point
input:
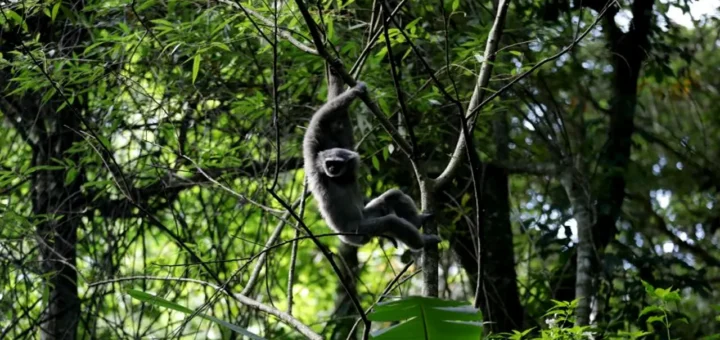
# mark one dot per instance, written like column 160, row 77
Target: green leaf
column 145, row 5
column 55, row 9
column 70, row 176
column 196, row 67
column 427, row 318
column 671, row 296
column 12, row 15
column 45, row 168
column 97, row 184
column 221, row 46
column 104, row 141
column 162, row 22
column 650, row 309
column 375, row 163
column 160, row 302
column 649, row 288
column 680, row 320
column 656, row 318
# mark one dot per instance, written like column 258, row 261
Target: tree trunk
column 628, row 51
column 57, row 205
column 579, row 198
column 500, row 301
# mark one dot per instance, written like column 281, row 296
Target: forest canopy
column 152, row 180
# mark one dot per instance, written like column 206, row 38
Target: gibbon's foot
column 389, row 239
column 426, row 216
column 431, row 239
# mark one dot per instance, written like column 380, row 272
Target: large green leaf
column 427, row 318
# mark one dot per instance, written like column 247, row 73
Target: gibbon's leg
column 394, row 201
column 396, row 227
column 355, row 240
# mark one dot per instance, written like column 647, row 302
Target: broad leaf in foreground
column 427, row 318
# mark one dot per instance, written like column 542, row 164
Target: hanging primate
column 331, row 167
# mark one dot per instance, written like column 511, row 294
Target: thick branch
column 478, row 93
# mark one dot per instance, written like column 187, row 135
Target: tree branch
column 120, row 208
column 540, row 169
column 281, row 32
column 491, row 47
column 338, row 67
column 284, row 317
column 663, row 228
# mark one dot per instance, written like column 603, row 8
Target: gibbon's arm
column 336, row 107
column 335, row 83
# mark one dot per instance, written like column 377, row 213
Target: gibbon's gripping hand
column 428, row 240
column 360, row 87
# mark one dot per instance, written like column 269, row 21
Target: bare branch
column 540, row 169
column 479, row 92
column 328, row 255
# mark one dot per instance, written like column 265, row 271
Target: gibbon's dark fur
column 331, row 167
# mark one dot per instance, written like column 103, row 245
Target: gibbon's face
column 335, row 167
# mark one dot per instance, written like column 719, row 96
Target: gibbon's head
column 336, row 162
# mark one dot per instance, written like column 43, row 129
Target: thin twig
column 357, row 67
column 328, row 255
column 294, row 251
column 276, row 105
column 250, row 284
column 231, row 191
column 283, row 33
column 398, row 87
column 390, row 286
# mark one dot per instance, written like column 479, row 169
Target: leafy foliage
column 140, row 138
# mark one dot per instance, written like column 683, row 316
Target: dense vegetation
column 151, row 181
